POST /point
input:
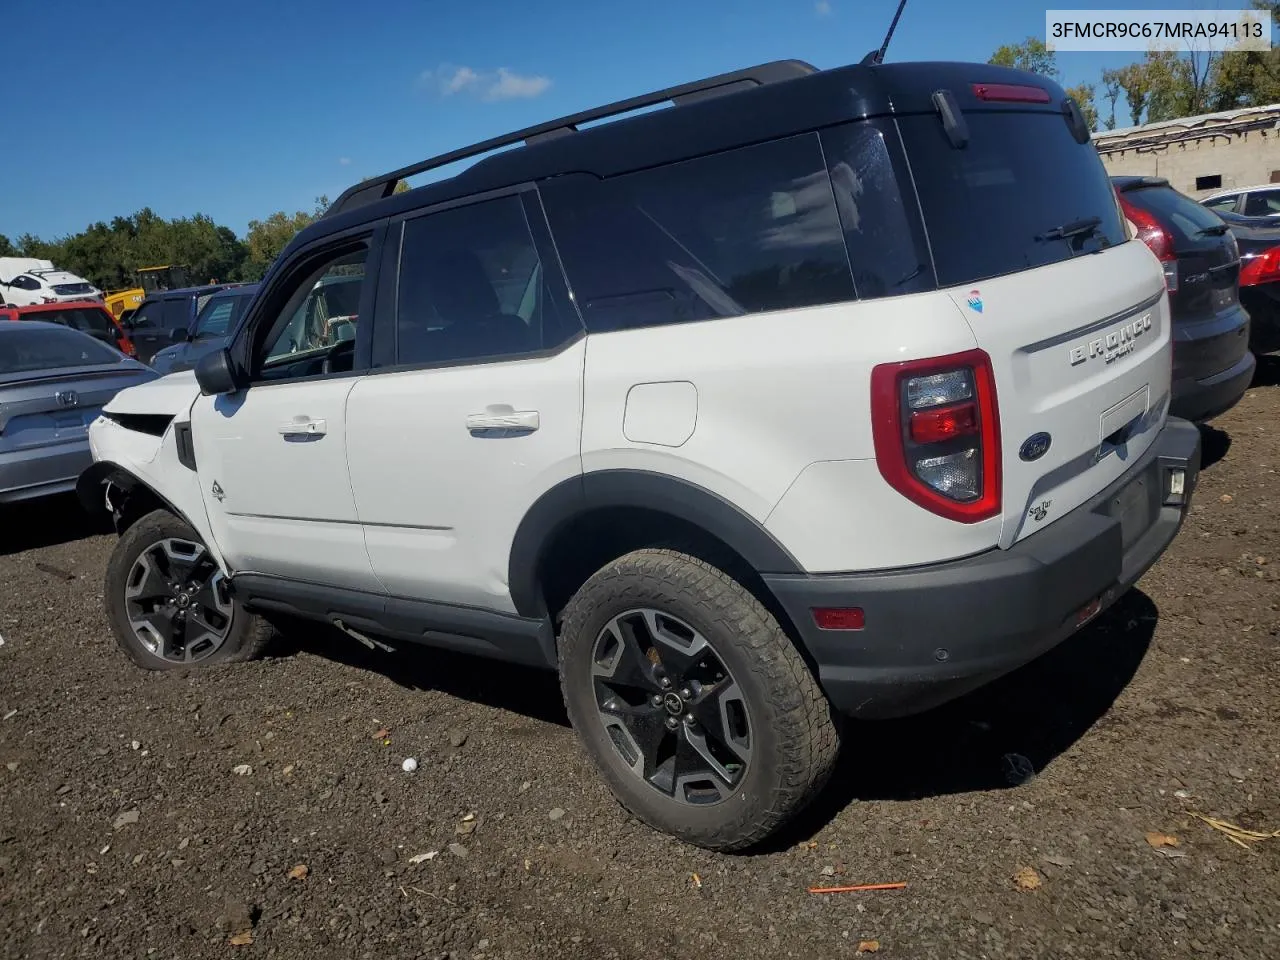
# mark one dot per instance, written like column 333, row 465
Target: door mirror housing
column 216, row 373
column 178, row 335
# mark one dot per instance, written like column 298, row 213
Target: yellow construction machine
column 121, row 303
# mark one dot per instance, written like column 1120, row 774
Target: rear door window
column 1262, row 203
column 745, row 231
column 989, row 208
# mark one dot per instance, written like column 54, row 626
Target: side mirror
column 216, row 373
column 178, row 335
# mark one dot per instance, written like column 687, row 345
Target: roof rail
column 378, row 188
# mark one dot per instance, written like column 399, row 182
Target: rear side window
column 990, row 207
column 745, row 231
column 887, row 250
column 472, row 287
column 1181, row 215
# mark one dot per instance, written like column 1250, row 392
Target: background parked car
column 87, row 316
column 53, row 383
column 210, row 330
column 165, row 317
column 1212, row 365
column 25, row 281
column 1259, row 241
column 1260, row 201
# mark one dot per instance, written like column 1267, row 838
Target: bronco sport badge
column 1116, row 344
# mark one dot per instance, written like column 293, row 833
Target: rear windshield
column 990, row 208
column 88, row 319
column 1186, row 219
column 24, row 349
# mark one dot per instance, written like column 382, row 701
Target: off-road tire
column 795, row 738
column 247, row 638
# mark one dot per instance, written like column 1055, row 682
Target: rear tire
column 692, row 702
column 168, row 604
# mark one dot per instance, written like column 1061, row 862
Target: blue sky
column 243, row 107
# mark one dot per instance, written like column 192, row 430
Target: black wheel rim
column 177, row 601
column 671, row 708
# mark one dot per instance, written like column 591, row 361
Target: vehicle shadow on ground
column 533, row 693
column 1267, row 373
column 1037, row 713
column 1214, row 444
column 46, row 522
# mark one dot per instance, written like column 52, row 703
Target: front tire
column 168, row 604
column 692, row 702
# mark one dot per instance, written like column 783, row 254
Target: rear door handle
column 501, row 419
column 303, row 427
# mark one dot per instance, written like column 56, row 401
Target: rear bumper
column 934, row 633
column 1212, row 365
column 1204, row 399
column 42, row 471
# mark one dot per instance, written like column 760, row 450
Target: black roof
column 179, row 293
column 785, row 98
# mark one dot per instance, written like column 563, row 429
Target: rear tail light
column 1264, row 268
column 1010, row 93
column 1157, row 238
column 937, row 433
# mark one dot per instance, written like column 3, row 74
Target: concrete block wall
column 1241, row 159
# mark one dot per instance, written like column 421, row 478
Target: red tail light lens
column 1264, row 268
column 1157, row 238
column 937, row 433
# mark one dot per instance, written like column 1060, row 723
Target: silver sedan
column 53, row 383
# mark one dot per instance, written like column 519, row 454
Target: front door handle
column 303, row 427
column 503, row 420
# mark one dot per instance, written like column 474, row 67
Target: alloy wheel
column 672, row 709
column 177, row 601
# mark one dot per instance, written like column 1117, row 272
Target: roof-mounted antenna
column 877, row 56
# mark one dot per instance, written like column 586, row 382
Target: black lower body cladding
column 936, row 632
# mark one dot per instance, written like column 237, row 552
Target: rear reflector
column 1010, row 93
column 839, row 618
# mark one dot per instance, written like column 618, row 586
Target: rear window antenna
column 877, row 56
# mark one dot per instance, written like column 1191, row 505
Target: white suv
column 816, row 393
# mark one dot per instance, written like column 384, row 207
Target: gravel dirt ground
column 261, row 809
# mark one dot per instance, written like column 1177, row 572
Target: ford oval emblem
column 1035, row 446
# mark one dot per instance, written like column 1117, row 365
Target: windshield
column 24, row 349
column 1022, row 194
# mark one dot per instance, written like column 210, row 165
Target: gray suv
column 211, row 329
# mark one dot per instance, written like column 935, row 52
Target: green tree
column 1248, row 78
column 1031, row 55
column 1083, row 95
column 267, row 238
column 1111, row 84
column 1133, row 80
column 7, row 249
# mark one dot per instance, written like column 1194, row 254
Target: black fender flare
column 642, row 489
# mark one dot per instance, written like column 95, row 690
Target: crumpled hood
column 171, row 396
